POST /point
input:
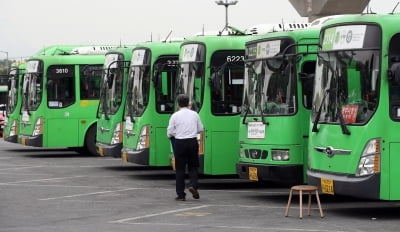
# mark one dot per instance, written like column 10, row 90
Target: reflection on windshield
column 187, row 85
column 269, row 89
column 32, row 91
column 13, row 91
column 346, row 86
column 138, row 90
column 111, row 90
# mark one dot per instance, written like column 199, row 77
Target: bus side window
column 90, row 77
column 307, row 78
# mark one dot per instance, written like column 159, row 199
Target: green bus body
column 149, row 103
column 354, row 141
column 211, row 74
column 14, row 98
column 274, row 123
column 112, row 102
column 12, row 116
column 60, row 96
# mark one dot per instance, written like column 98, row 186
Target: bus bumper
column 34, row 141
column 348, row 185
column 136, row 156
column 11, row 139
column 109, row 150
column 283, row 173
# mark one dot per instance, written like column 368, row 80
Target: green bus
column 60, row 96
column 211, row 74
column 149, row 103
column 112, row 101
column 3, row 101
column 354, row 141
column 13, row 106
column 277, row 97
column 13, row 109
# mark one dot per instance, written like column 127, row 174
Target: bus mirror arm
column 306, row 76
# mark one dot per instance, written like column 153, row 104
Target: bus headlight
column 117, row 134
column 200, row 140
column 280, row 155
column 14, row 128
column 38, row 130
column 370, row 159
column 144, row 138
column 241, row 153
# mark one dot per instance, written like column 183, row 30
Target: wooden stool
column 301, row 189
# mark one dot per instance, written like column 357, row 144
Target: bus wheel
column 90, row 140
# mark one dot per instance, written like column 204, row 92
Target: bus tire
column 90, row 140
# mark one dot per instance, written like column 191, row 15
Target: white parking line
column 40, row 180
column 158, row 214
column 88, row 194
column 247, row 228
column 19, row 167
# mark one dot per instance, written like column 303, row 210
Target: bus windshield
column 111, row 84
column 226, row 82
column 138, row 83
column 164, row 76
column 191, row 74
column 270, row 80
column 347, row 77
column 32, row 85
column 60, row 86
column 13, row 91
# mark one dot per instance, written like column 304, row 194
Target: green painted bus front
column 149, row 103
column 211, row 74
column 14, row 98
column 274, row 123
column 112, row 102
column 60, row 96
column 354, row 142
column 13, row 109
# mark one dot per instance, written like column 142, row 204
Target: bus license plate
column 173, row 163
column 253, row 174
column 101, row 151
column 327, row 186
column 124, row 157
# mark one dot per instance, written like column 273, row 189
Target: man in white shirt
column 184, row 126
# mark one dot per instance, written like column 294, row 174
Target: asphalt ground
column 60, row 190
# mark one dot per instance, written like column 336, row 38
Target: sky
column 27, row 26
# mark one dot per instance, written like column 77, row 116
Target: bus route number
column 62, row 70
column 234, row 58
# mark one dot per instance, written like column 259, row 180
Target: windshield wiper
column 129, row 100
column 104, row 102
column 345, row 130
column 315, row 128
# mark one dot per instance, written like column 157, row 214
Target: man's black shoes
column 194, row 192
column 180, row 199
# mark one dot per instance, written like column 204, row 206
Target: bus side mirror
column 394, row 73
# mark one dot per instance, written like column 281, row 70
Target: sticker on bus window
column 349, row 113
column 138, row 57
column 268, row 49
column 25, row 116
column 344, row 37
column 32, row 66
column 128, row 123
column 255, row 130
column 189, row 52
column 110, row 61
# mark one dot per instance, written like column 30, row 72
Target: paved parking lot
column 60, row 190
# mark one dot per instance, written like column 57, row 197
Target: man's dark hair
column 183, row 100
